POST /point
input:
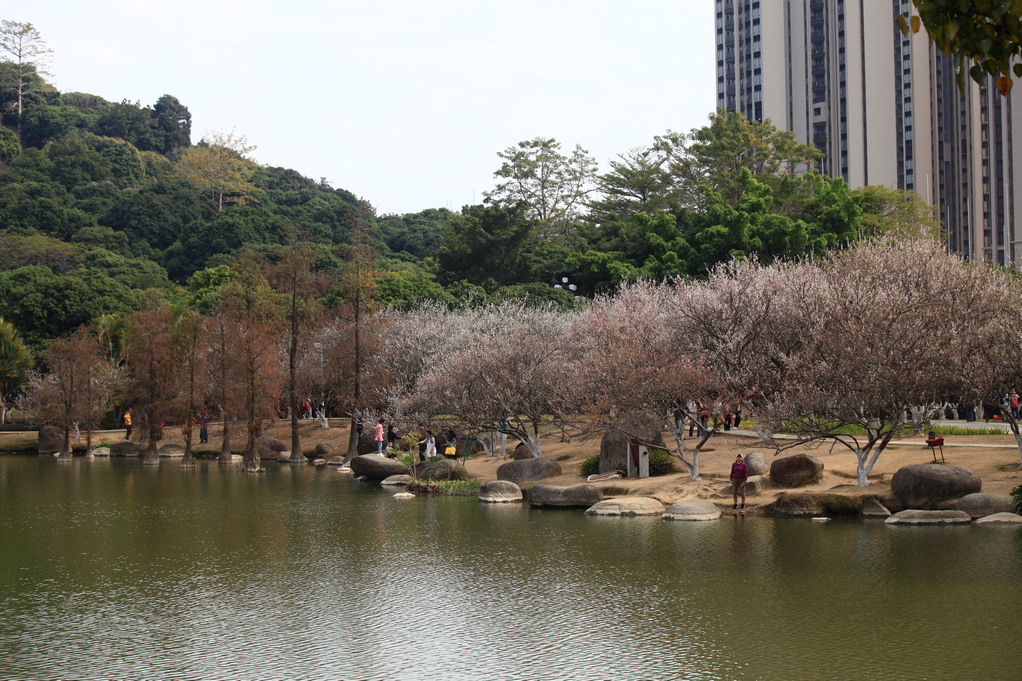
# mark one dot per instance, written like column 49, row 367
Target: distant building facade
column 884, row 108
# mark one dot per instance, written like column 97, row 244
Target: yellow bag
column 450, row 451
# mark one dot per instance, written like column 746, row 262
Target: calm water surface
column 113, row 570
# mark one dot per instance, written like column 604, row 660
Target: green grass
column 450, row 488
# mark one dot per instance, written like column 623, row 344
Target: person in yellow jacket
column 127, row 423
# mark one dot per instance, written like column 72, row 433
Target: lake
column 111, row 569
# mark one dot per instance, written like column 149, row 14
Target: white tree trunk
column 693, row 465
column 864, row 464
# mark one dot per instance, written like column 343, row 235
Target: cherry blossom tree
column 503, row 368
column 879, row 328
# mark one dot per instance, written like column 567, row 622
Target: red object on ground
column 934, row 444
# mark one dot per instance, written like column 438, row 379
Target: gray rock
column 285, row 457
column 500, row 492
column 444, row 469
column 269, row 447
column 569, row 497
column 980, row 504
column 125, row 448
column 51, row 440
column 918, row 517
column 627, row 506
column 758, row 463
column 521, row 452
column 918, row 484
column 374, row 467
column 614, row 445
column 324, row 448
column 871, row 508
column 101, row 451
column 170, row 450
column 528, row 470
column 796, row 470
column 692, row 509
column 395, row 480
column 1000, row 519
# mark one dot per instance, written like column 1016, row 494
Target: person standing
column 127, row 423
column 739, row 478
column 378, row 437
column 428, row 444
column 203, row 427
column 391, row 437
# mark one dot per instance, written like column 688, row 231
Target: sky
column 404, row 103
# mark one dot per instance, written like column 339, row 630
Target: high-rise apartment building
column 884, row 108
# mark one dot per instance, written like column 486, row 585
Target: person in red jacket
column 739, row 476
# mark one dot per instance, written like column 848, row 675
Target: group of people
column 197, row 417
column 697, row 415
column 385, row 437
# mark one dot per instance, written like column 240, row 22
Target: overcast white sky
column 403, row 102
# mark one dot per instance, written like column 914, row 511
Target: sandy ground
column 994, row 458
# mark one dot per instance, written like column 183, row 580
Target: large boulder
column 1000, row 519
column 325, row 448
column 917, row 517
column 614, row 445
column 528, row 470
column 171, row 450
column 374, row 467
column 500, row 492
column 566, row 497
column 125, row 448
column 692, row 510
column 444, row 469
column 629, row 506
column 796, row 470
column 269, row 447
column 521, row 452
column 981, row 504
column 101, row 451
column 811, row 505
column 919, row 484
column 758, row 463
column 51, row 440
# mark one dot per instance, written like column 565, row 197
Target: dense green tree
column 408, row 289
column 10, row 147
column 46, row 305
column 896, row 212
column 27, row 55
column 15, row 363
column 44, row 122
column 37, row 249
column 417, row 234
column 715, row 155
column 484, row 246
column 173, row 125
column 35, row 207
column 104, row 238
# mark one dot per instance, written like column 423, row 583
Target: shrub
column 590, row 466
column 660, row 462
column 1016, row 506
